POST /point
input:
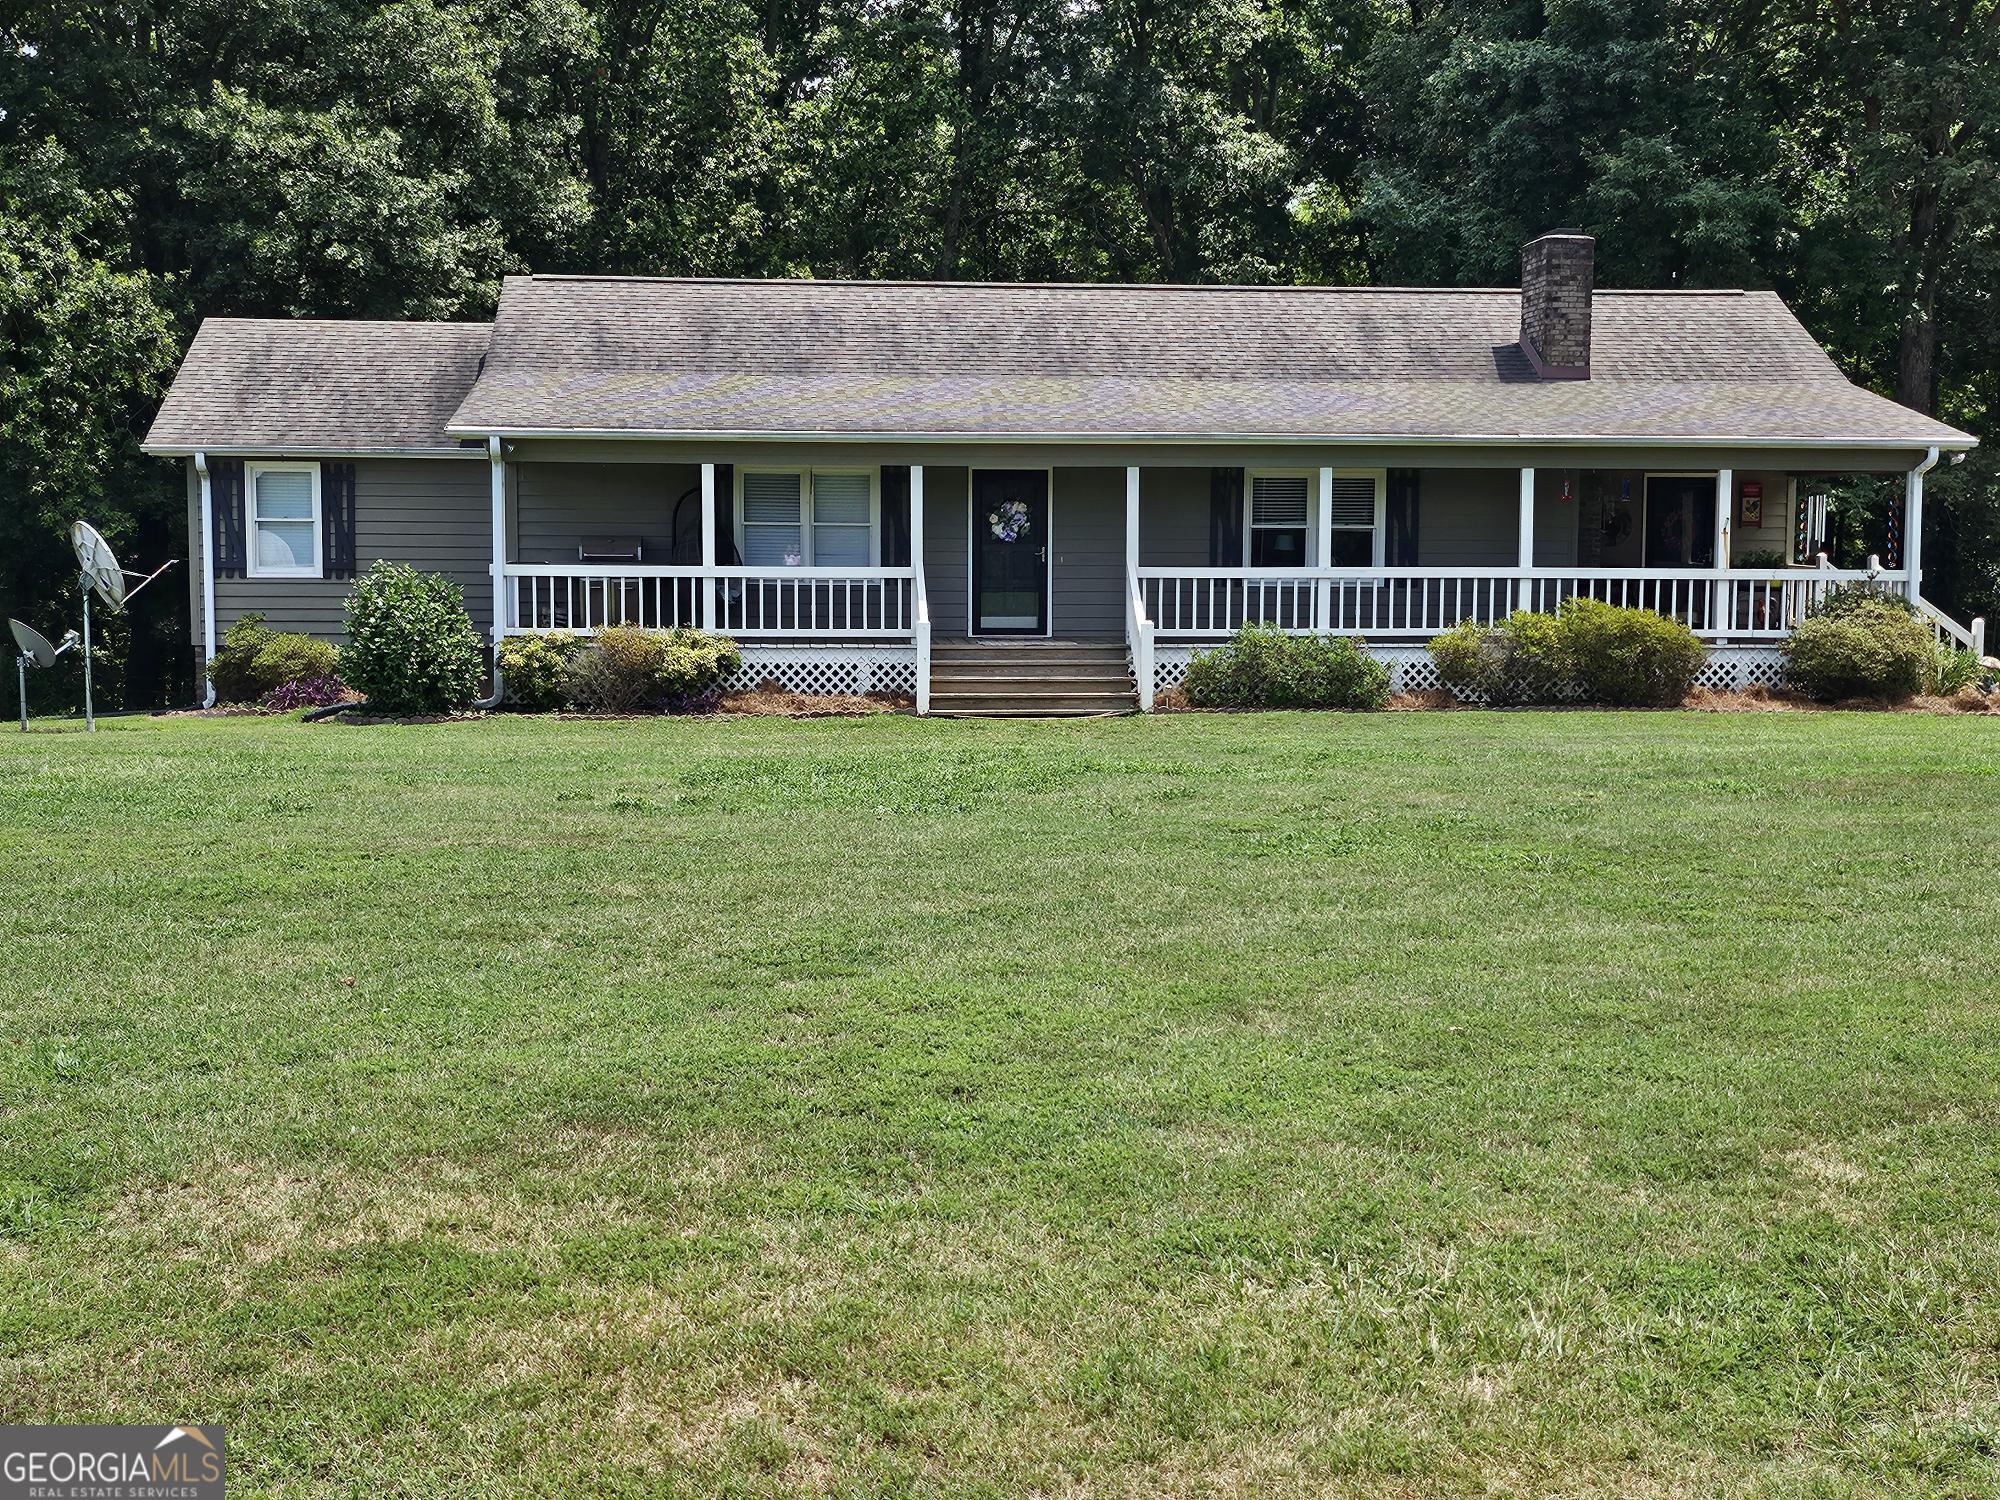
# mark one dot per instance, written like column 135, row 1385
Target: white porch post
column 920, row 626
column 1132, row 521
column 496, row 456
column 207, row 582
column 1323, row 551
column 1913, row 525
column 1525, row 542
column 706, row 585
column 1527, row 532
column 1724, row 597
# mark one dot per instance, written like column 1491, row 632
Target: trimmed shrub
column 255, row 660
column 1846, row 598
column 1633, row 658
column 305, row 692
column 617, row 671
column 1262, row 667
column 411, row 648
column 1864, row 649
column 695, row 665
column 1523, row 659
column 535, row 669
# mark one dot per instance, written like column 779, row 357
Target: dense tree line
column 161, row 162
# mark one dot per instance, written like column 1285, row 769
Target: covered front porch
column 809, row 556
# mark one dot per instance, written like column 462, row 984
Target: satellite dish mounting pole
column 89, row 704
column 21, row 681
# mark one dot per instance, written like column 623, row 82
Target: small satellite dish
column 99, row 563
column 34, row 645
column 35, row 648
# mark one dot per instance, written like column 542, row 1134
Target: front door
column 1010, row 551
column 1680, row 520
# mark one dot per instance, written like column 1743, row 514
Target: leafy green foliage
column 624, row 668
column 1865, row 649
column 1586, row 650
column 1631, row 658
column 411, row 647
column 1520, row 660
column 1953, row 669
column 1263, row 667
column 535, row 669
column 254, row 659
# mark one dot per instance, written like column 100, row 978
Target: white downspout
column 207, row 576
column 497, row 458
column 1913, row 524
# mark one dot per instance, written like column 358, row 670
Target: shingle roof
column 635, row 356
column 319, row 386
column 631, row 356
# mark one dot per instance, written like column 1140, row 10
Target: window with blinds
column 284, row 521
column 773, row 519
column 820, row 518
column 1353, row 535
column 841, row 520
column 1279, row 507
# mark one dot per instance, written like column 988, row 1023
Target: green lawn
column 1525, row 1104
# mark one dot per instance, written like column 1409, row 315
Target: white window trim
column 251, row 567
column 805, row 475
column 1379, row 531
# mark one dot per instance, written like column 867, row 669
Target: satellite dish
column 34, row 645
column 99, row 563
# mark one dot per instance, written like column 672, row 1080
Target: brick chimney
column 1556, row 278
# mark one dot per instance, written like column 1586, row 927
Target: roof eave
column 1957, row 442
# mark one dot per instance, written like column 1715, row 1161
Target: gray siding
column 430, row 513
column 1087, row 524
column 556, row 505
column 1173, row 518
column 947, row 502
column 1468, row 518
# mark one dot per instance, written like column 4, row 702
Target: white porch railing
column 1139, row 632
column 1718, row 603
column 746, row 603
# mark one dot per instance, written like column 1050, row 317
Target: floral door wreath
column 1009, row 520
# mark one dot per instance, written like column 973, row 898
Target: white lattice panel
column 829, row 669
column 1411, row 670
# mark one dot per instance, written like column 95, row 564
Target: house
column 1041, row 496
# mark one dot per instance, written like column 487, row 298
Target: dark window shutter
column 726, row 554
column 1225, row 518
column 225, row 483
column 895, row 516
column 1400, row 546
column 336, row 504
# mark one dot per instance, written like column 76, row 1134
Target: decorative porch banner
column 895, row 515
column 1400, row 545
column 336, row 501
column 1225, row 518
column 225, row 483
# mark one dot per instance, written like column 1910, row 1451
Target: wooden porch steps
column 1030, row 679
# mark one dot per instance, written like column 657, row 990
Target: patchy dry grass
column 1413, row 1105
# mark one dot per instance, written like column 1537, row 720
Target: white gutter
column 207, row 575
column 496, row 456
column 1184, row 439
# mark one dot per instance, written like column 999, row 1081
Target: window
column 1283, row 514
column 1279, row 510
column 773, row 520
column 814, row 517
column 1353, row 543
column 283, row 520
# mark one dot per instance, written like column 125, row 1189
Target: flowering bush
column 535, row 669
column 411, row 648
column 305, row 692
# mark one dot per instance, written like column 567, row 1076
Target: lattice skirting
column 829, row 669
column 1411, row 670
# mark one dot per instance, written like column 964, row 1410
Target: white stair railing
column 1139, row 637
